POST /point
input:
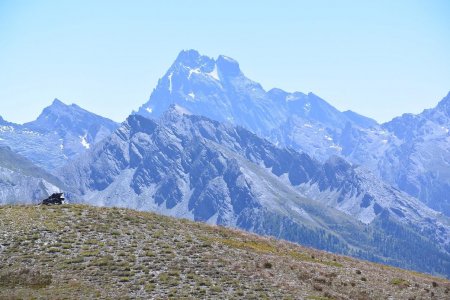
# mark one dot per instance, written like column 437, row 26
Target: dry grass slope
column 76, row 252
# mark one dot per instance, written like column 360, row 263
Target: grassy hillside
column 75, row 251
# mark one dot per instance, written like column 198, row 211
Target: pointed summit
column 54, row 110
column 188, row 57
column 62, row 118
column 3, row 121
column 192, row 59
column 57, row 102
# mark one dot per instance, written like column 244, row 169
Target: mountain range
column 410, row 152
column 212, row 145
column 192, row 167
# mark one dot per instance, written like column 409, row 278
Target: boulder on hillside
column 55, row 198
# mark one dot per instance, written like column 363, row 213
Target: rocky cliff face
column 420, row 163
column 190, row 166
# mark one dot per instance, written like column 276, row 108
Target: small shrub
column 400, row 282
column 173, row 273
column 75, row 260
column 216, row 289
column 89, row 253
column 317, row 287
column 53, row 250
column 103, row 261
column 150, row 287
column 163, row 277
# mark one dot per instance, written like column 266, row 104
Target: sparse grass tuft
column 400, row 282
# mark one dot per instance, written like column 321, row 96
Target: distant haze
column 380, row 59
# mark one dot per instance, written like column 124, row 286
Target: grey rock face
column 190, row 166
column 420, row 163
column 23, row 182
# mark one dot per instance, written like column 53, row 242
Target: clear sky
column 378, row 58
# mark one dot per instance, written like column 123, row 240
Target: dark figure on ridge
column 55, row 198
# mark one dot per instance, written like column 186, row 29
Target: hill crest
column 83, row 251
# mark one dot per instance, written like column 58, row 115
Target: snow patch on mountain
column 84, row 142
column 214, row 73
column 170, row 82
column 193, row 71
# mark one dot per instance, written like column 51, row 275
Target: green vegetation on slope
column 75, row 251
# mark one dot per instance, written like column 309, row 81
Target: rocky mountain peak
column 195, row 62
column 228, row 66
column 58, row 103
column 60, row 116
column 3, row 122
column 58, row 109
column 186, row 55
column 138, row 123
column 192, row 59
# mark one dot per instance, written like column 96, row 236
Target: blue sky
column 379, row 58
